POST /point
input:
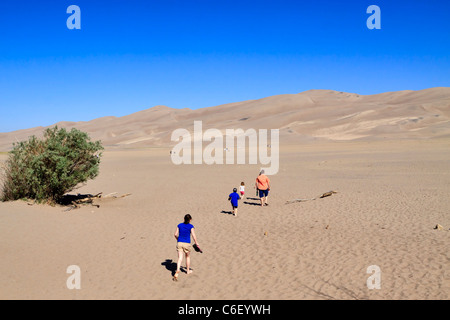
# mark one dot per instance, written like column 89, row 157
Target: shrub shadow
column 67, row 199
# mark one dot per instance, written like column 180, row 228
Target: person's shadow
column 253, row 203
column 170, row 265
column 226, row 212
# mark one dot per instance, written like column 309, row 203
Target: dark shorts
column 263, row 193
column 234, row 205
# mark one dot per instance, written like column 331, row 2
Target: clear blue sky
column 132, row 55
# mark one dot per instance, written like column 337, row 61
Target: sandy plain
column 391, row 195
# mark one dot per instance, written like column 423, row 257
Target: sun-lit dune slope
column 313, row 114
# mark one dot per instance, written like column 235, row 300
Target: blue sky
column 132, row 55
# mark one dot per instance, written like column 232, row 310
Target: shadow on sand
column 67, row 199
column 170, row 265
column 253, row 203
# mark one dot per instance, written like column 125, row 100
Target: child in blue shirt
column 233, row 198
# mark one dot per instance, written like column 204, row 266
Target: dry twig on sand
column 323, row 195
column 94, row 200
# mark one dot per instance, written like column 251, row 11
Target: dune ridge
column 309, row 115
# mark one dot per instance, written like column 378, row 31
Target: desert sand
column 391, row 194
column 386, row 155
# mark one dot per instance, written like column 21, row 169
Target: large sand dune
column 393, row 185
column 310, row 115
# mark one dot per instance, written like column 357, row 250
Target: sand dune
column 387, row 155
column 314, row 114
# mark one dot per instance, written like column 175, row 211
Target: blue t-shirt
column 185, row 232
column 234, row 197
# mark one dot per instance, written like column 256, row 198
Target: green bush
column 45, row 169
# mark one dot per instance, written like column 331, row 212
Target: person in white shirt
column 242, row 189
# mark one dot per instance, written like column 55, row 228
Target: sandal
column 175, row 276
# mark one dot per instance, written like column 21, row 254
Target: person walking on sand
column 242, row 190
column 183, row 235
column 263, row 185
column 233, row 198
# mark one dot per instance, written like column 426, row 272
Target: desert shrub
column 45, row 169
